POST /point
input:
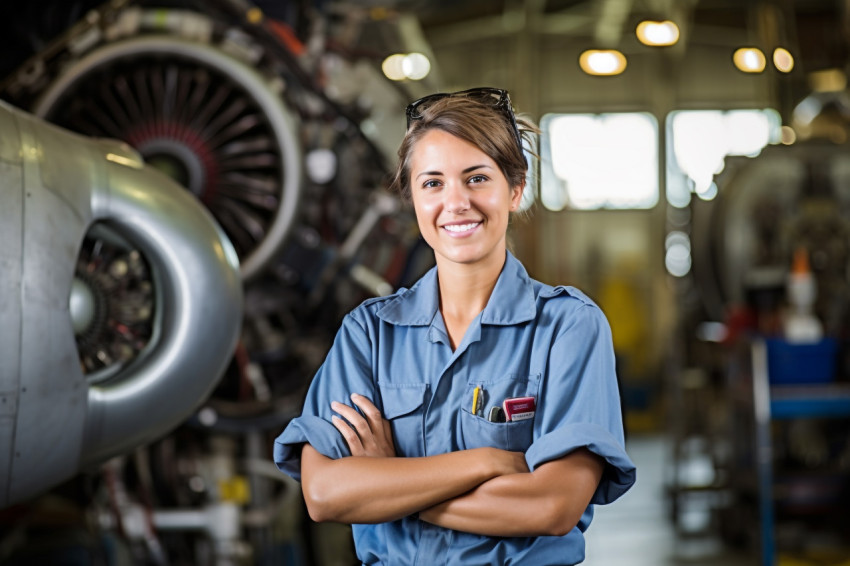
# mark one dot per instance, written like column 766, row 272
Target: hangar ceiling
column 815, row 30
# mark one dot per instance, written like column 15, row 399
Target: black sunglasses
column 494, row 97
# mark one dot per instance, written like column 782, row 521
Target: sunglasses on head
column 494, row 97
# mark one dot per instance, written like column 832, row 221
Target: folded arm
column 548, row 501
column 484, row 490
column 374, row 486
column 363, row 489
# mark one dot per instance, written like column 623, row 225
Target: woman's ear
column 516, row 196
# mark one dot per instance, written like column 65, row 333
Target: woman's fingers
column 380, row 442
column 373, row 415
column 388, row 430
column 373, row 433
column 354, row 418
column 375, row 419
column 351, row 438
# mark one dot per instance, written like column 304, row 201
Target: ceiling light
column 400, row 66
column 657, row 34
column 789, row 136
column 393, row 67
column 783, row 60
column 749, row 60
column 416, row 66
column 602, row 62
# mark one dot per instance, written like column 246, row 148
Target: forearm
column 548, row 501
column 374, row 490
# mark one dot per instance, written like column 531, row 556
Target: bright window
column 593, row 161
column 698, row 142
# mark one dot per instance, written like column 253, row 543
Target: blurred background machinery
column 762, row 434
column 278, row 132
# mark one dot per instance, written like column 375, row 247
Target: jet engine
column 108, row 271
column 192, row 105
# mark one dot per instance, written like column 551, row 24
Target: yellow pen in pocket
column 475, row 393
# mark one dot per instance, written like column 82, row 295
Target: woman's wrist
column 489, row 461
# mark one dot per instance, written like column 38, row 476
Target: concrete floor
column 637, row 529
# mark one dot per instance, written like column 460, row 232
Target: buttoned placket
column 441, row 411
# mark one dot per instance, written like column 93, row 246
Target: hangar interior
column 194, row 193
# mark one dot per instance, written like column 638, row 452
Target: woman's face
column 461, row 198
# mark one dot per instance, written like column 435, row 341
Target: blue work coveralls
column 550, row 343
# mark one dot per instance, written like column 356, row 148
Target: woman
column 473, row 418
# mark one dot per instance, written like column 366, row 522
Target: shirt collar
column 512, row 300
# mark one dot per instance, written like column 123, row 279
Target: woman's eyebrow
column 465, row 171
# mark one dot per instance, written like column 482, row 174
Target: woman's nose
column 456, row 198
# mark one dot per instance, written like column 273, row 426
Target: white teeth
column 460, row 227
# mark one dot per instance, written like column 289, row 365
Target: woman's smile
column 461, row 230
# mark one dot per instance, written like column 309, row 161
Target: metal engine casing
column 190, row 95
column 54, row 420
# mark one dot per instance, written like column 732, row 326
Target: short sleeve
column 346, row 370
column 579, row 403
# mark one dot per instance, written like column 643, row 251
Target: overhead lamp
column 416, row 66
column 749, row 59
column 783, row 60
column 393, row 67
column 401, row 66
column 602, row 62
column 657, row 34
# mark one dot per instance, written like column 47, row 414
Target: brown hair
column 483, row 126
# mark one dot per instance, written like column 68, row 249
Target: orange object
column 800, row 264
column 287, row 36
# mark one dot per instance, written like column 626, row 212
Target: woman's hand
column 507, row 463
column 369, row 436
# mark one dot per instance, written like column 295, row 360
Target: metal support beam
column 612, row 17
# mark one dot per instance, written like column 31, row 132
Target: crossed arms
column 467, row 490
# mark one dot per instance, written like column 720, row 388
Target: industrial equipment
column 774, row 433
column 285, row 143
column 101, row 248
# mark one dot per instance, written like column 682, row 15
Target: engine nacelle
column 55, row 419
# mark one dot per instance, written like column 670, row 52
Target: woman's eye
column 431, row 184
column 477, row 179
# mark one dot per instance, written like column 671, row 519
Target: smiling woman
column 481, row 387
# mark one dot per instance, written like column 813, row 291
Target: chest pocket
column 478, row 432
column 404, row 408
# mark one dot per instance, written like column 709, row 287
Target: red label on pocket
column 519, row 408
